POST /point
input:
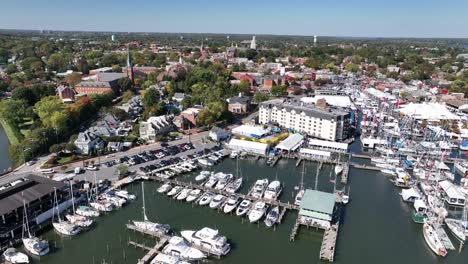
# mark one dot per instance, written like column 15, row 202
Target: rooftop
column 309, row 109
column 317, row 204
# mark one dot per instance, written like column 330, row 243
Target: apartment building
column 324, row 123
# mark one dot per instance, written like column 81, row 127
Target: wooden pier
column 152, row 252
column 294, row 230
column 327, row 250
column 345, row 173
column 365, row 167
column 239, row 195
column 281, row 215
column 444, row 238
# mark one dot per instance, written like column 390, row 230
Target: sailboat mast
column 143, row 197
column 73, row 198
column 25, row 220
column 302, row 176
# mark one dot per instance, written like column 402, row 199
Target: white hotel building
column 306, row 118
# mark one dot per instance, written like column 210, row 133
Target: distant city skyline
column 352, row 18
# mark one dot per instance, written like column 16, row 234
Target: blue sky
column 365, row 18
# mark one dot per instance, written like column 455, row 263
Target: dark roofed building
column 239, row 104
column 34, row 192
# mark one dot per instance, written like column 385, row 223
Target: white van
column 47, row 171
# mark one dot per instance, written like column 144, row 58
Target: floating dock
column 444, row 238
column 327, row 250
column 345, row 173
column 365, row 167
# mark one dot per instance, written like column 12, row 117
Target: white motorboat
column 459, row 228
column 243, row 207
column 208, row 238
column 177, row 247
column 102, row 206
column 206, row 162
column 164, row 188
column 206, row 198
column 203, row 175
column 87, row 211
column 433, row 240
column 234, row 154
column 148, row 225
column 193, row 195
column 259, row 188
column 175, row 191
column 213, row 158
column 167, row 259
column 114, row 200
column 298, row 198
column 273, row 190
column 212, row 181
column 389, row 171
column 125, row 194
column 338, row 169
column 183, row 194
column 223, row 181
column 345, row 199
column 410, row 195
column 462, row 167
column 217, row 201
column 231, row 204
column 14, row 256
column 257, row 212
column 234, row 186
column 272, row 217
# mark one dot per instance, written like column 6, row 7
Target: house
column 154, row 126
column 239, row 104
column 178, row 97
column 66, row 94
column 115, row 146
column 87, row 141
column 190, row 115
column 132, row 107
column 218, row 134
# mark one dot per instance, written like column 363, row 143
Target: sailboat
column 433, row 240
column 148, row 225
column 338, row 167
column 79, row 220
column 300, row 194
column 32, row 244
column 459, row 227
column 63, row 227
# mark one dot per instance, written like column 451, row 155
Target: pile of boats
column 262, row 191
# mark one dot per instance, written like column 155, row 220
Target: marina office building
column 323, row 123
column 38, row 195
column 316, row 209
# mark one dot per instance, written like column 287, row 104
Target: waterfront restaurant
column 38, row 195
column 316, row 209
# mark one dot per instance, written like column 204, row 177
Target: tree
column 121, row 170
column 150, row 98
column 73, row 78
column 260, row 97
column 279, row 90
column 50, row 111
column 118, row 113
column 25, row 94
column 14, row 111
column 58, row 62
column 125, row 84
column 351, row 67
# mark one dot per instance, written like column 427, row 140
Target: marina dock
column 327, row 250
column 239, row 195
column 345, row 173
column 365, row 167
column 444, row 238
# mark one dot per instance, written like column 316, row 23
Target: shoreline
column 9, row 132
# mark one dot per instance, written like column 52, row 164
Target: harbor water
column 376, row 227
column 5, row 161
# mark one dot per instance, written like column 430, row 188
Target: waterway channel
column 5, row 161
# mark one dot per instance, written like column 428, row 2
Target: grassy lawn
column 9, row 132
column 24, row 127
column 63, row 160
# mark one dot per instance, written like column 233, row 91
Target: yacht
column 462, row 167
column 389, row 171
column 231, row 204
column 208, row 238
column 234, row 186
column 299, row 195
column 433, row 240
column 459, row 228
column 223, row 180
column 272, row 217
column 257, row 212
column 164, row 188
column 167, row 259
column 338, row 169
column 243, row 207
column 183, row 194
column 102, row 206
column 114, row 200
column 203, row 175
column 175, row 191
column 273, row 190
column 14, row 256
column 206, row 198
column 66, row 228
column 178, row 248
column 32, row 244
column 206, row 162
column 193, row 195
column 125, row 194
column 217, row 201
column 79, row 220
column 148, row 225
column 212, row 181
column 234, row 154
column 259, row 188
column 87, row 211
